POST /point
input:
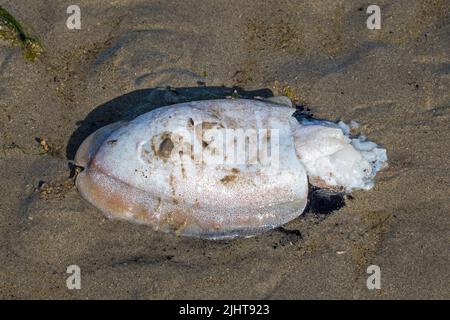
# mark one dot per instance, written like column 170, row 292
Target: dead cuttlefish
column 220, row 168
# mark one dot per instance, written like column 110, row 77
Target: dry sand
column 395, row 82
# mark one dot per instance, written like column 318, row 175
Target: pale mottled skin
column 147, row 170
column 127, row 176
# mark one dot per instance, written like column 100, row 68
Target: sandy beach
column 131, row 56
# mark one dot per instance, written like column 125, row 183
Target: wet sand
column 395, row 82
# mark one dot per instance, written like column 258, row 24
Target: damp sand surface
column 394, row 82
